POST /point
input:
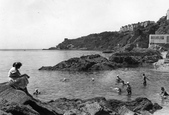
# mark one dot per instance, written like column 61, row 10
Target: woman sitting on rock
column 16, row 79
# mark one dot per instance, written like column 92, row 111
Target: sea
column 80, row 84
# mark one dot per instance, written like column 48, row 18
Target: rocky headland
column 125, row 58
column 136, row 34
column 17, row 102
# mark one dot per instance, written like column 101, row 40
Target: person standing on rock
column 16, row 79
column 129, row 92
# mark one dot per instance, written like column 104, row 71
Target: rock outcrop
column 135, row 57
column 84, row 63
column 17, row 102
column 96, row 62
column 137, row 34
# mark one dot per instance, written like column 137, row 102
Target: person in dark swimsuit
column 163, row 92
column 129, row 90
column 118, row 80
column 145, row 79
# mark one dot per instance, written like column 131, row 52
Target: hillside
column 137, row 34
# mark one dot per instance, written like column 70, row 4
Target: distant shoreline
column 17, row 49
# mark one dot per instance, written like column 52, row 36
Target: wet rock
column 84, row 63
column 17, row 109
column 4, row 113
column 101, row 106
column 17, row 102
column 124, row 110
column 96, row 62
column 136, row 57
column 140, row 104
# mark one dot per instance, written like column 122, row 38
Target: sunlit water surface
column 80, row 84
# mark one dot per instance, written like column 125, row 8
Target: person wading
column 118, row 80
column 129, row 90
column 163, row 94
column 145, row 79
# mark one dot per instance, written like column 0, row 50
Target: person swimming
column 64, row 80
column 118, row 80
column 123, row 83
column 117, row 89
column 164, row 94
column 36, row 92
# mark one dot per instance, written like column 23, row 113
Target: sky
column 38, row 24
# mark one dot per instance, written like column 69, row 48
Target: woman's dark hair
column 162, row 88
column 17, row 64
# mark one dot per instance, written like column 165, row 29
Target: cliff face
column 137, row 34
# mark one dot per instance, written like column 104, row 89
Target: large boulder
column 102, row 106
column 135, row 57
column 97, row 62
column 84, row 63
column 17, row 102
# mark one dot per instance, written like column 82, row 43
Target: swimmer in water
column 118, row 90
column 36, row 92
column 164, row 94
column 64, row 80
column 145, row 79
column 118, row 80
column 123, row 83
column 129, row 91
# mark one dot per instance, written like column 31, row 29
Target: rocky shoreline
column 17, row 102
column 97, row 62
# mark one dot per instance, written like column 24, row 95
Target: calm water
column 79, row 84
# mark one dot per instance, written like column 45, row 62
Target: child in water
column 36, row 92
column 129, row 92
column 118, row 90
column 145, row 79
column 118, row 80
column 164, row 94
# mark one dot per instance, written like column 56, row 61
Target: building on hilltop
column 157, row 39
column 168, row 14
column 131, row 27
